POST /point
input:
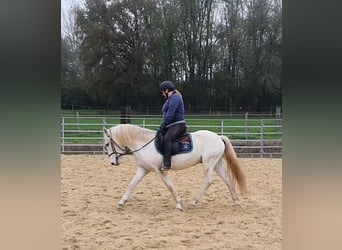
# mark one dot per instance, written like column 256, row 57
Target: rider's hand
column 162, row 129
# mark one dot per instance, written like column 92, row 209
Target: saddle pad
column 181, row 145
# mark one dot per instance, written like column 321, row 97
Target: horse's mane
column 128, row 133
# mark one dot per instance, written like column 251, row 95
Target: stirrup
column 164, row 168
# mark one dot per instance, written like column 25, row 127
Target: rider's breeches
column 171, row 134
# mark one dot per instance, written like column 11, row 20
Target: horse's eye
column 107, row 144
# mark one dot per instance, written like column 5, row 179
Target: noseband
column 125, row 151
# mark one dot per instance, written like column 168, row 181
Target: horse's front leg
column 141, row 172
column 168, row 182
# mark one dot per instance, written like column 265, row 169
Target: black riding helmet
column 166, row 85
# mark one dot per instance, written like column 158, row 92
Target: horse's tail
column 234, row 165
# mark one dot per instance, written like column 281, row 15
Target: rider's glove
column 162, row 129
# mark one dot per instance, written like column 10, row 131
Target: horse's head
column 119, row 139
column 112, row 147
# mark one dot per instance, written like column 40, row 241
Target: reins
column 126, row 151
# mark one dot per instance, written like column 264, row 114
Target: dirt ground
column 90, row 218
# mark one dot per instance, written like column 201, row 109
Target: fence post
column 63, row 135
column 125, row 116
column 103, row 127
column 143, row 123
column 262, row 139
column 278, row 118
column 78, row 121
column 246, row 125
column 221, row 127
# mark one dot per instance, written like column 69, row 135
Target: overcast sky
column 66, row 5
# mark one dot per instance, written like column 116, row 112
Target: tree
column 218, row 53
column 115, row 51
column 261, row 53
column 72, row 90
column 230, row 34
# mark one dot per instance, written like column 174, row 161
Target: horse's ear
column 106, row 131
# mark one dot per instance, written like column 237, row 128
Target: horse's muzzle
column 115, row 164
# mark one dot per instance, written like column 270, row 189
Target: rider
column 173, row 120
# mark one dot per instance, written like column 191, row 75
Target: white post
column 78, row 121
column 278, row 118
column 221, row 127
column 246, row 125
column 63, row 134
column 262, row 139
column 103, row 127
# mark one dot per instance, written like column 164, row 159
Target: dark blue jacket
column 173, row 109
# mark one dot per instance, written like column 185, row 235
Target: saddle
column 183, row 144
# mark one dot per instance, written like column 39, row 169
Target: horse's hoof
column 179, row 207
column 192, row 205
column 239, row 206
column 120, row 206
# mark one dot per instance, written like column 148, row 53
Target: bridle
column 126, row 150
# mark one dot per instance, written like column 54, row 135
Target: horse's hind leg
column 227, row 180
column 207, row 182
column 141, row 172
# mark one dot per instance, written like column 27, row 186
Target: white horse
column 208, row 148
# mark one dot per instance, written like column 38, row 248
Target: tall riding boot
column 167, row 157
